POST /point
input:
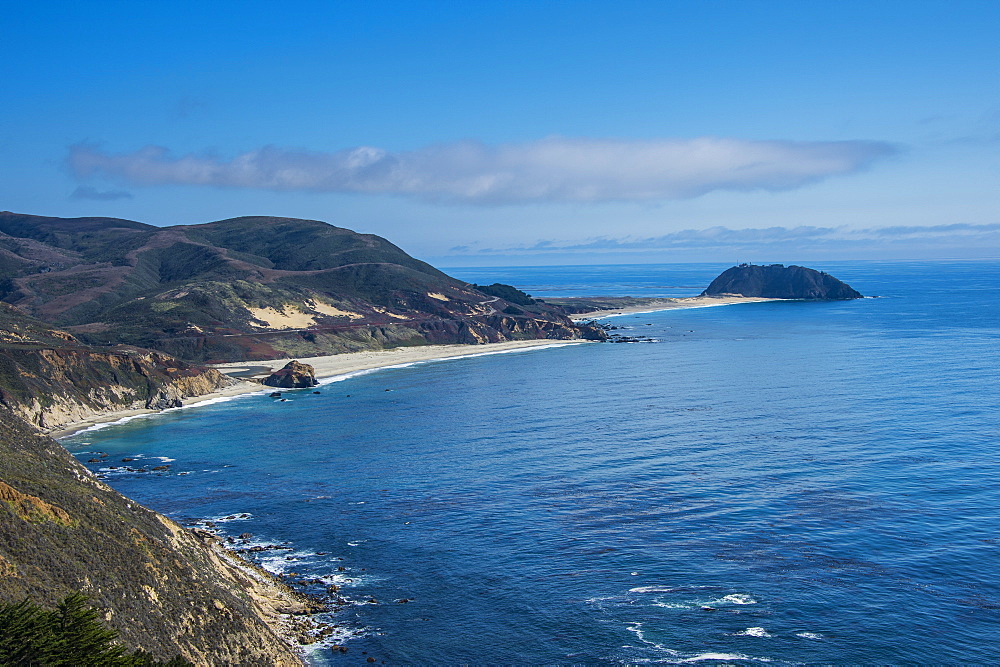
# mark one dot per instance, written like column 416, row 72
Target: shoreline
column 680, row 303
column 348, row 363
column 326, row 367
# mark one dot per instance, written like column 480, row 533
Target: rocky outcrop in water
column 776, row 281
column 294, row 375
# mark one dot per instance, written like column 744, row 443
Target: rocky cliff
column 49, row 378
column 776, row 281
column 51, row 388
column 165, row 589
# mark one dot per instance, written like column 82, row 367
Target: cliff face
column 777, row 281
column 49, row 378
column 166, row 589
column 53, row 387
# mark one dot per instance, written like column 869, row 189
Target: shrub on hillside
column 71, row 635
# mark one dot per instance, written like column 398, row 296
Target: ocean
column 783, row 482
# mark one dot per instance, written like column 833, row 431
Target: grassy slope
column 62, row 531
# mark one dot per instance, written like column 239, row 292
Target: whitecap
column 738, row 598
column 231, row 516
column 753, row 632
column 727, row 657
column 809, row 635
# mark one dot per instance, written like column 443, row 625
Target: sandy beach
column 325, row 367
column 656, row 305
column 352, row 362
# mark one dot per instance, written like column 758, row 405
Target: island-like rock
column 777, row 281
column 294, row 375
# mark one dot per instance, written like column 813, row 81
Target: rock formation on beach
column 294, row 375
column 776, row 281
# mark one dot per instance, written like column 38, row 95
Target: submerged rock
column 294, row 375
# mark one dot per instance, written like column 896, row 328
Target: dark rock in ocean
column 274, row 394
column 777, row 281
column 294, row 375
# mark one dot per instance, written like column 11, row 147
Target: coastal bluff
column 777, row 281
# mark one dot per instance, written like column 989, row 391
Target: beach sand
column 656, row 305
column 325, row 367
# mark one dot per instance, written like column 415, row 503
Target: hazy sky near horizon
column 494, row 133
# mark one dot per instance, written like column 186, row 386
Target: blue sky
column 496, row 133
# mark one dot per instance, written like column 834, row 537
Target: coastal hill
column 776, row 281
column 249, row 288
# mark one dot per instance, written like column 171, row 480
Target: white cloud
column 555, row 169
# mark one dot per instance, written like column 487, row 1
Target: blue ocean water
column 789, row 482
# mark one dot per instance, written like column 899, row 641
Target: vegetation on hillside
column 507, row 293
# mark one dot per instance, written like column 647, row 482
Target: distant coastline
column 617, row 306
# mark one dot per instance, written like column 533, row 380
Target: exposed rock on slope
column 777, row 281
column 49, row 378
column 249, row 288
column 166, row 589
